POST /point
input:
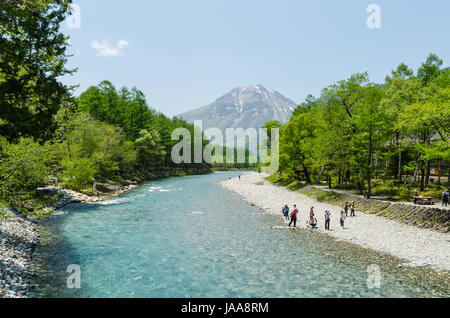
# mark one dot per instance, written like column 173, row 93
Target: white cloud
column 122, row 44
column 105, row 49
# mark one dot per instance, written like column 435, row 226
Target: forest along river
column 187, row 237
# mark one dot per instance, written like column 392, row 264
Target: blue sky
column 185, row 54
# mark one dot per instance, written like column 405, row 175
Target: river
column 188, row 237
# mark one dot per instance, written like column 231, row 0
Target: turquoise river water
column 187, row 237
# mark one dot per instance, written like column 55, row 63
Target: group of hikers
column 312, row 223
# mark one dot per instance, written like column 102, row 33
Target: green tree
column 427, row 121
column 274, row 124
column 23, row 167
column 398, row 93
column 367, row 144
column 430, row 68
column 341, row 102
column 32, row 59
column 298, row 144
column 150, row 150
column 402, row 71
column 101, row 147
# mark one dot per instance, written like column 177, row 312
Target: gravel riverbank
column 420, row 247
column 18, row 239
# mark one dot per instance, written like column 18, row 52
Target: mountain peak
column 251, row 88
column 258, row 87
column 244, row 107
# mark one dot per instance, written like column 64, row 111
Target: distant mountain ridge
column 244, row 107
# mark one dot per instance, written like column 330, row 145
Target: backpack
column 294, row 213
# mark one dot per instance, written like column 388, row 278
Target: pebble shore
column 67, row 196
column 18, row 239
column 419, row 247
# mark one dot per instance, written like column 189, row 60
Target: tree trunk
column 422, row 178
column 427, row 180
column 320, row 174
column 399, row 168
column 68, row 149
column 415, row 174
column 386, row 169
column 329, row 181
column 399, row 158
column 376, row 168
column 297, row 176
column 307, row 176
column 369, row 174
column 360, row 185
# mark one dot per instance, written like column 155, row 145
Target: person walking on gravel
column 294, row 216
column 327, row 219
column 352, row 208
column 311, row 212
column 346, row 208
column 342, row 219
column 286, row 212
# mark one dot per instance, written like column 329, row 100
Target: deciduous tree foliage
column 358, row 131
column 128, row 109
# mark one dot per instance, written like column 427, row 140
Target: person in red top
column 294, row 216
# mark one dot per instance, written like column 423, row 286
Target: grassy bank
column 387, row 188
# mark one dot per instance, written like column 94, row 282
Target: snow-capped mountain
column 243, row 107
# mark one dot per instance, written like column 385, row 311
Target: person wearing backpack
column 294, row 216
column 352, row 208
column 286, row 212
